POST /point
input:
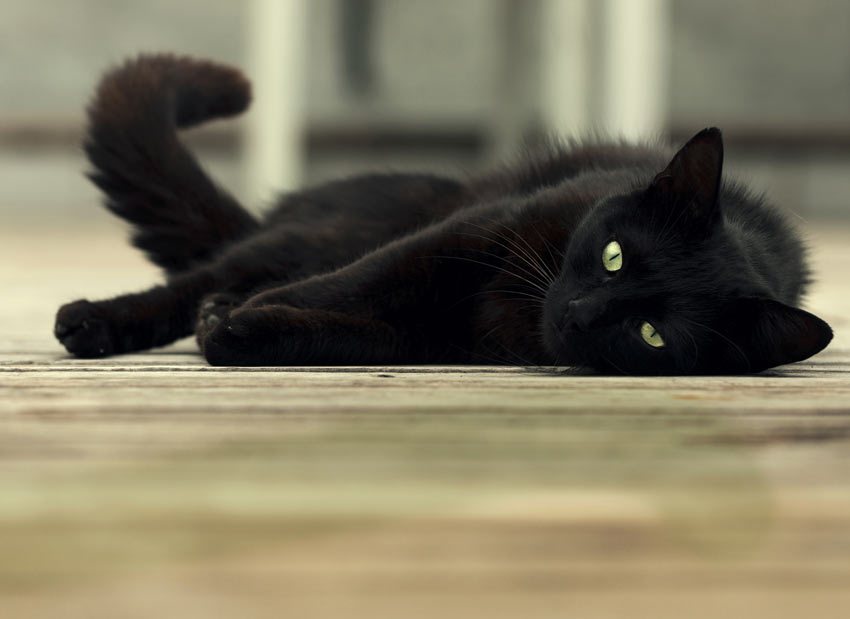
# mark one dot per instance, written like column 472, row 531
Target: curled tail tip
column 196, row 90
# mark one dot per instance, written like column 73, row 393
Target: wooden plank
column 153, row 484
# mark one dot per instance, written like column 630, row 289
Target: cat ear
column 770, row 333
column 691, row 181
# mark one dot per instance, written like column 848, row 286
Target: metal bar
column 635, row 68
column 274, row 149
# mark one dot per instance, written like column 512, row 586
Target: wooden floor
column 154, row 486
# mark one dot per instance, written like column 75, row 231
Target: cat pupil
column 612, row 257
column 650, row 335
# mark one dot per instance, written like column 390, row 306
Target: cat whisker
column 480, row 356
column 668, row 225
column 491, row 356
column 560, row 348
column 534, row 255
column 555, row 261
column 535, row 271
column 518, row 357
column 513, row 356
column 531, row 256
column 696, row 350
column 738, row 350
column 537, row 286
column 537, row 299
column 614, row 365
column 533, row 300
column 538, row 259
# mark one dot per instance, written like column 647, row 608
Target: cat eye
column 612, row 257
column 651, row 336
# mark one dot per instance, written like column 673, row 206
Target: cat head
column 657, row 281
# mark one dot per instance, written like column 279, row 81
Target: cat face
column 653, row 283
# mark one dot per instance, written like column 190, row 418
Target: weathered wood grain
column 153, row 485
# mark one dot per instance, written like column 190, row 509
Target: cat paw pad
column 83, row 331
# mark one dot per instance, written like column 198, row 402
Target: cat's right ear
column 691, row 181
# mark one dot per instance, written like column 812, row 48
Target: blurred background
column 349, row 85
column 151, row 486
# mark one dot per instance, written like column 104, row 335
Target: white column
column 635, row 67
column 274, row 129
column 565, row 65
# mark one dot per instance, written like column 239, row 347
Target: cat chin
column 569, row 348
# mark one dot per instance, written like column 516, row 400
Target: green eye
column 651, row 336
column 612, row 257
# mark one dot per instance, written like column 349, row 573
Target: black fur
column 181, row 217
column 413, row 268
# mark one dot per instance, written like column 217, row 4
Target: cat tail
column 180, row 217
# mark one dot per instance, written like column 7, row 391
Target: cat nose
column 583, row 312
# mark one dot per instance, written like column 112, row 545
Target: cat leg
column 165, row 313
column 131, row 322
column 278, row 335
column 408, row 302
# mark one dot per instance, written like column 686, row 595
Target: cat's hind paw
column 227, row 344
column 248, row 337
column 83, row 331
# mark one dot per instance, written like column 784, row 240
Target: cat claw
column 213, row 310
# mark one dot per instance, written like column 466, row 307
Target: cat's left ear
column 770, row 333
column 691, row 181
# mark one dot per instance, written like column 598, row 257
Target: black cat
column 608, row 256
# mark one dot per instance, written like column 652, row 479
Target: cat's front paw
column 213, row 309
column 83, row 330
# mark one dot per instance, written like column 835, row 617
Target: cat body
column 618, row 257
